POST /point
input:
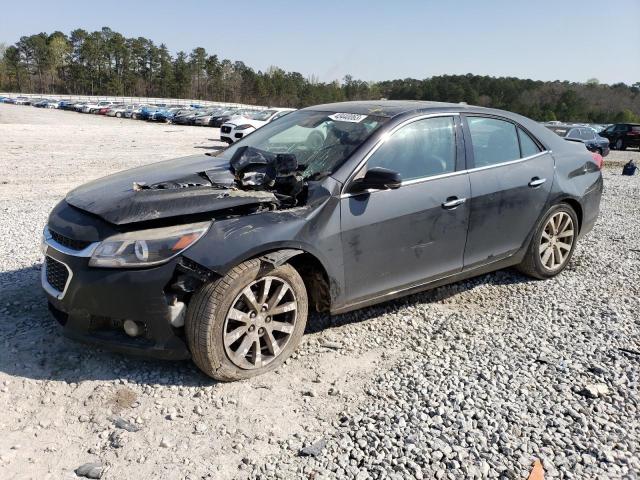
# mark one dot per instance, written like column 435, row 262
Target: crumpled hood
column 165, row 189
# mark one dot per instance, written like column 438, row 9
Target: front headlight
column 145, row 248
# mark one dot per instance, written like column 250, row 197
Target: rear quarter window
column 527, row 146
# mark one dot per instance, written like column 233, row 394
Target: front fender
column 314, row 230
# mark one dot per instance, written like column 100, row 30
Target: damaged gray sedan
column 220, row 257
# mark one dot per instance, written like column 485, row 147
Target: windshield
column 263, row 116
column 320, row 141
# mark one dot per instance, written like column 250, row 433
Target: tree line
column 107, row 63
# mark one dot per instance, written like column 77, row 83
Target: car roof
column 394, row 108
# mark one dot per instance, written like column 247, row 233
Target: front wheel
column 248, row 322
column 552, row 244
column 620, row 144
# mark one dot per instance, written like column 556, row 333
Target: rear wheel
column 248, row 322
column 552, row 244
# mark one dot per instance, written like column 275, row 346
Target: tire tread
column 202, row 315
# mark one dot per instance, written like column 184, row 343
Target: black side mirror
column 376, row 178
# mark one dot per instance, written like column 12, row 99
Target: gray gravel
column 475, row 379
column 500, row 370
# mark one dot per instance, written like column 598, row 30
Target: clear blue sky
column 371, row 40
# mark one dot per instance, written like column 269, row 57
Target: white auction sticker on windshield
column 347, row 117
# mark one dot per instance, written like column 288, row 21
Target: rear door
column 511, row 177
column 393, row 239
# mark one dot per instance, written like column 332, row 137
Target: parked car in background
column 135, row 111
column 41, row 103
column 166, row 114
column 78, row 106
column 623, row 135
column 105, row 110
column 598, row 127
column 204, row 118
column 243, row 125
column 587, row 135
column 187, row 117
column 10, row 100
column 22, row 101
column 117, row 110
column 222, row 118
column 220, row 257
column 94, row 107
column 66, row 105
column 147, row 112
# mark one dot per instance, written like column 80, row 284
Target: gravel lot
column 471, row 380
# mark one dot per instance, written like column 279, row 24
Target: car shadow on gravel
column 32, row 344
column 319, row 322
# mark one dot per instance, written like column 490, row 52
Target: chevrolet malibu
column 220, row 257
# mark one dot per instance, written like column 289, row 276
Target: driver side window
column 420, row 149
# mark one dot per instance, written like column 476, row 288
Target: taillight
column 598, row 160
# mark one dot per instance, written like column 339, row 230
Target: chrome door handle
column 453, row 202
column 536, row 182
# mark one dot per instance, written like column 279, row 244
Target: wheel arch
column 322, row 286
column 576, row 206
column 313, row 272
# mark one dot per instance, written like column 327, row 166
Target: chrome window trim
column 510, row 162
column 85, row 252
column 450, row 174
column 45, row 283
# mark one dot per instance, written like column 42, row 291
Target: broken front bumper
column 92, row 304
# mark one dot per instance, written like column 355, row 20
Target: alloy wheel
column 556, row 241
column 260, row 322
column 619, row 144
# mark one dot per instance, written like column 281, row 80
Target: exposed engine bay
column 250, row 169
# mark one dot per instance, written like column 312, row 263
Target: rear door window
column 494, row 141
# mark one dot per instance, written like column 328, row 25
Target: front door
column 393, row 239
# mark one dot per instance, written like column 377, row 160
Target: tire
column 118, row 114
column 210, row 320
column 620, row 144
column 533, row 263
